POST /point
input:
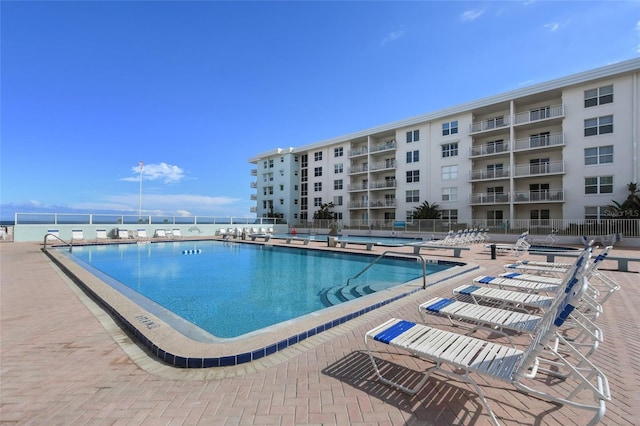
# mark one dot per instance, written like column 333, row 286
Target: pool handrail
column 419, row 257
column 47, row 235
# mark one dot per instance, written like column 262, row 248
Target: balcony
column 254, row 184
column 383, row 165
column 545, row 195
column 383, row 184
column 358, row 204
column 254, row 172
column 358, row 187
column 488, row 198
column 384, row 146
column 541, row 141
column 539, row 114
column 486, row 174
column 358, row 169
column 253, row 209
column 253, row 197
column 382, row 203
column 539, row 169
column 489, row 149
column 363, row 150
column 490, row 124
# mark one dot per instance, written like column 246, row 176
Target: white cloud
column 553, row 26
column 393, row 36
column 471, row 15
column 162, row 171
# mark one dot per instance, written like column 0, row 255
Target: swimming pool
column 231, row 289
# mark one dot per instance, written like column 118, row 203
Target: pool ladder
column 374, row 261
column 58, row 238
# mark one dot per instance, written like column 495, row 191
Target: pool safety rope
column 194, row 251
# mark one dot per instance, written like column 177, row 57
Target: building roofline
column 614, row 69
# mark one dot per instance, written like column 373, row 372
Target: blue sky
column 194, row 89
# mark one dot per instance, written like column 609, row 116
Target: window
column 281, row 201
column 295, row 187
column 450, row 128
column 596, row 212
column 337, row 184
column 539, row 166
column 539, row 113
column 413, row 196
column 413, row 136
column 450, row 215
column 317, row 156
column 598, row 126
column 601, row 95
column 271, row 164
column 539, row 217
column 495, row 216
column 450, row 150
column 338, row 168
column 539, row 139
column 496, row 146
column 265, row 164
column 598, row 155
column 495, row 170
column 538, row 191
column 338, row 152
column 317, row 202
column 304, row 189
column 295, row 201
column 304, row 161
column 413, row 156
column 492, row 123
column 389, row 200
column 281, row 187
column 409, row 215
column 337, row 200
column 337, row 215
column 598, row 185
column 449, row 172
column 317, row 171
column 282, row 159
column 317, row 186
column 413, row 176
column 450, row 194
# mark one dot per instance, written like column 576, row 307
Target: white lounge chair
column 77, row 235
column 459, row 356
column 160, row 233
column 176, row 233
column 53, row 235
column 141, row 234
column 123, row 234
column 101, row 235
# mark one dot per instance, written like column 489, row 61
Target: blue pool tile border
column 245, row 357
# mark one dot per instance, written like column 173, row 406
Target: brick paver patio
column 65, row 362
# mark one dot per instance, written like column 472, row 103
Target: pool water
column 230, row 289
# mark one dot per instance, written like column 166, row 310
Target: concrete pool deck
column 65, row 361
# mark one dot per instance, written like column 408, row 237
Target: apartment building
column 562, row 149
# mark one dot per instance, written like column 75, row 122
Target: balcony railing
column 538, row 196
column 253, row 197
column 358, row 151
column 358, row 169
column 254, row 172
column 556, row 139
column 482, row 174
column 383, row 165
column 384, row 203
column 384, row 146
column 358, row 187
column 489, row 149
column 254, row 184
column 490, row 124
column 551, row 168
column 539, row 114
column 383, row 184
column 358, row 204
column 488, row 198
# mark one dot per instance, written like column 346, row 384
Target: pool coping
column 177, row 350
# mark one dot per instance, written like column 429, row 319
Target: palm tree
column 426, row 211
column 630, row 208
